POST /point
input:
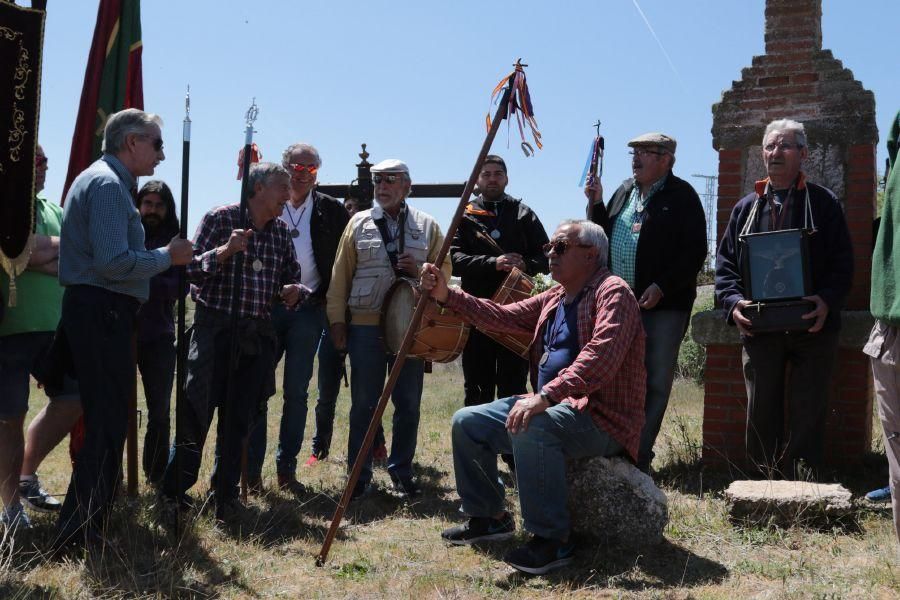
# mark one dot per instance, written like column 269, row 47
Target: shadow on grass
column 604, row 566
column 135, row 559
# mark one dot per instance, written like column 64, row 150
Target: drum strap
column 394, row 250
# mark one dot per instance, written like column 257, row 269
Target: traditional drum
column 442, row 334
column 517, row 286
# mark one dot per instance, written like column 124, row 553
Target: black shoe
column 360, row 490
column 231, row 511
column 480, row 529
column 540, row 555
column 34, row 497
column 405, row 486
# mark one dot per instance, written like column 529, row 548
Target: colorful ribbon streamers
column 519, row 106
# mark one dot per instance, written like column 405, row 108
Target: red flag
column 112, row 81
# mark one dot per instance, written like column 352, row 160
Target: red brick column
column 724, row 406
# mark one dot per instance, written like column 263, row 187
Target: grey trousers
column 884, row 350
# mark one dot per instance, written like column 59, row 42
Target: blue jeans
column 479, row 434
column 156, row 362
column 301, row 334
column 369, row 364
column 665, row 329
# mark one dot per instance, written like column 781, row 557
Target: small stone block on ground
column 609, row 498
column 787, row 502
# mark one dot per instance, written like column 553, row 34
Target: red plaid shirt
column 212, row 283
column 607, row 377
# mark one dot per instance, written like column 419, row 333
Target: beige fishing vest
column 374, row 274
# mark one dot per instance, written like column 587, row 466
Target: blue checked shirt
column 102, row 239
column 624, row 242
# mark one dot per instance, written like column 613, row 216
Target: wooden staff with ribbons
column 515, row 100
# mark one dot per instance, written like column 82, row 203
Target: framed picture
column 775, row 265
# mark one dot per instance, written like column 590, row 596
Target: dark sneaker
column 405, row 486
column 360, row 490
column 540, row 555
column 879, row 495
column 290, row 484
column 480, row 529
column 231, row 511
column 13, row 519
column 34, row 497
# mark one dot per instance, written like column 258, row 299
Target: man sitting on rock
column 587, row 356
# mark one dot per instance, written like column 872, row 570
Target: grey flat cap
column 391, row 165
column 654, row 139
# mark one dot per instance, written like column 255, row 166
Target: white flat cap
column 391, row 165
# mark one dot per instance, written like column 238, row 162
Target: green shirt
column 39, row 296
column 627, row 231
column 885, row 298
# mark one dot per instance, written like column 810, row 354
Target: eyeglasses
column 379, row 178
column 645, row 152
column 157, row 143
column 783, row 146
column 298, row 168
column 560, row 246
column 40, row 161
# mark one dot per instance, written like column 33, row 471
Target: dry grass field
column 387, row 549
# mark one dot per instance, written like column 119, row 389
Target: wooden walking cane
column 515, row 82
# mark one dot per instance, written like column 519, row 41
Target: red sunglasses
column 298, row 168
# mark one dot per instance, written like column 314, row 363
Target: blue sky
column 412, row 79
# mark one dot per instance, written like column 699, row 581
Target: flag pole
column 502, row 113
column 181, row 356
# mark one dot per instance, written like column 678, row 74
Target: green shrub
column 692, row 356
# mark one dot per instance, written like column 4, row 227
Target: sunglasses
column 157, row 143
column 560, row 246
column 298, row 168
column 40, row 161
column 386, row 178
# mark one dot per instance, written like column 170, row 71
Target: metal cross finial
column 597, row 125
column 519, row 65
column 252, row 112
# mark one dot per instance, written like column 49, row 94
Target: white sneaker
column 35, row 497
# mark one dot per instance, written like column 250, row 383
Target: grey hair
column 124, row 123
column 785, row 125
column 593, row 235
column 263, row 172
column 300, row 147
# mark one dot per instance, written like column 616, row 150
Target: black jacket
column 672, row 245
column 475, row 259
column 830, row 251
column 326, row 225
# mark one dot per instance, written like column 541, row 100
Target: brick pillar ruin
column 799, row 80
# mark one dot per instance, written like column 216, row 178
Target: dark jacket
column 474, row 258
column 156, row 317
column 326, row 224
column 672, row 245
column 830, row 250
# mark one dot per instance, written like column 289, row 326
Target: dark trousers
column 156, row 362
column 772, row 443
column 491, row 371
column 99, row 326
column 206, row 389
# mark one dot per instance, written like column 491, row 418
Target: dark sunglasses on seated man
column 560, row 246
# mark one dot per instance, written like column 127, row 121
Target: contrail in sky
column 661, row 47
